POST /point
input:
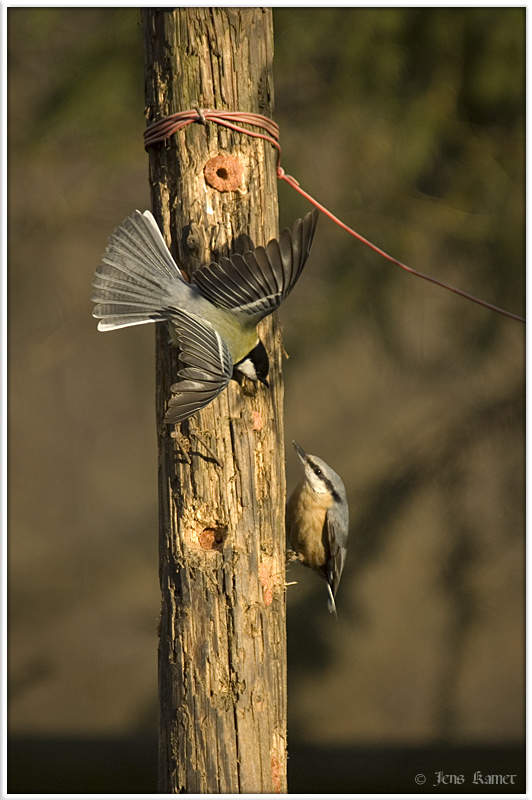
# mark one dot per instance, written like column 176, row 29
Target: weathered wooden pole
column 222, row 652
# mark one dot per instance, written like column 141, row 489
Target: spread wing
column 207, row 369
column 337, row 526
column 257, row 282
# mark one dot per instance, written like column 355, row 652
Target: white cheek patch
column 247, row 368
column 317, row 484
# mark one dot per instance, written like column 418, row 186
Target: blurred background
column 408, row 123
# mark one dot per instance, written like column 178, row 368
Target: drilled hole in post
column 224, row 173
column 212, row 538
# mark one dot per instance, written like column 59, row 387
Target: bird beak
column 299, row 450
column 264, row 382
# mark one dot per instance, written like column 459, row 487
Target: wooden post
column 222, row 652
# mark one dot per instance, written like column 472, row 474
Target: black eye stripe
column 319, row 473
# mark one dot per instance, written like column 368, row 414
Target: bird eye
column 318, row 472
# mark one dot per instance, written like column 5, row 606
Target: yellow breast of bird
column 305, row 518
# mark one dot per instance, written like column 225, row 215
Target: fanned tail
column 137, row 280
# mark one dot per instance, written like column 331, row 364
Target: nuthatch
column 213, row 320
column 317, row 521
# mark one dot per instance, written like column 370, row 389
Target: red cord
column 165, row 127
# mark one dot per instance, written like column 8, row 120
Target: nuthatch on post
column 317, row 521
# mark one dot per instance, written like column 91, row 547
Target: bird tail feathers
column 330, row 602
column 136, row 282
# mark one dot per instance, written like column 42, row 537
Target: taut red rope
column 164, row 128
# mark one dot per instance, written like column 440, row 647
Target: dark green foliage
column 409, row 125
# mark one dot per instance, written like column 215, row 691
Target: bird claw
column 193, row 432
column 182, row 443
column 180, row 440
column 292, row 556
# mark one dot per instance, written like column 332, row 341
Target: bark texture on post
column 222, row 652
